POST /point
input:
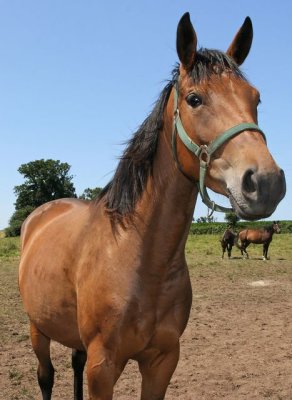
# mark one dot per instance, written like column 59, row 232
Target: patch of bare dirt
column 238, row 345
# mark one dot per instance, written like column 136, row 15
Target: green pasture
column 202, row 248
column 203, row 253
column 214, row 281
column 206, row 249
column 9, row 247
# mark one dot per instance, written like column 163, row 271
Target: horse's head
column 211, row 96
column 276, row 227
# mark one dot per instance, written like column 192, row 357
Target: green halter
column 204, row 152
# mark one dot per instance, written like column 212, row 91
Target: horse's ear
column 186, row 42
column 241, row 44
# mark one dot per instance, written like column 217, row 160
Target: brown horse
column 258, row 236
column 228, row 240
column 109, row 278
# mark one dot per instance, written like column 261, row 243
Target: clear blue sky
column 78, row 77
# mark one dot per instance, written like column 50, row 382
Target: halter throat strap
column 204, row 152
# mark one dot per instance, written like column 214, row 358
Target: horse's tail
column 236, row 239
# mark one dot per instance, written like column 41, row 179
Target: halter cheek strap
column 204, row 152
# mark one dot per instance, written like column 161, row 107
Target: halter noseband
column 204, row 152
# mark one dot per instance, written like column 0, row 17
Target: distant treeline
column 202, row 228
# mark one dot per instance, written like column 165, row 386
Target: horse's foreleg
column 229, row 249
column 78, row 363
column 45, row 372
column 101, row 371
column 265, row 251
column 156, row 370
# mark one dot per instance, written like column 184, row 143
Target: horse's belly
column 51, row 305
column 62, row 328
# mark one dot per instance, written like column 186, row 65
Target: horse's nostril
column 249, row 184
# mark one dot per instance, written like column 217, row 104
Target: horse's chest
column 266, row 237
column 158, row 322
column 147, row 332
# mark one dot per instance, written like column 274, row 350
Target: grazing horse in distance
column 262, row 236
column 109, row 278
column 228, row 240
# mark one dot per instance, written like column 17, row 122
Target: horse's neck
column 270, row 230
column 167, row 205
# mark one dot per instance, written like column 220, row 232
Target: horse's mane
column 268, row 228
column 207, row 59
column 127, row 185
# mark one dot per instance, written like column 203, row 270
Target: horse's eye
column 194, row 100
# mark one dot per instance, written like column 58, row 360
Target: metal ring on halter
column 204, row 153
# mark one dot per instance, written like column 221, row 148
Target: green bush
column 16, row 221
column 218, row 228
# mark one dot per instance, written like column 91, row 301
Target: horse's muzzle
column 260, row 194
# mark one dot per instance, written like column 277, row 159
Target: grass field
column 240, row 307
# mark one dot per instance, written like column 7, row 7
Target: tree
column 90, row 194
column 208, row 219
column 16, row 221
column 231, row 218
column 45, row 180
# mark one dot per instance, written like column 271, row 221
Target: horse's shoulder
column 47, row 212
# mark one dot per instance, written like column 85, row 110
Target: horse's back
column 256, row 236
column 228, row 237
